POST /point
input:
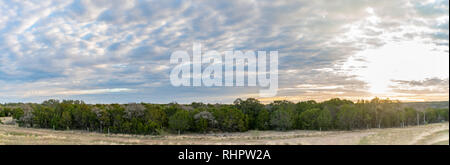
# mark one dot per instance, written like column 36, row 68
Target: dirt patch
column 435, row 138
column 404, row 136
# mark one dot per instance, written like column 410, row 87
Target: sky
column 112, row 51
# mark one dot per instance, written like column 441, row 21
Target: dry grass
column 425, row 134
column 429, row 134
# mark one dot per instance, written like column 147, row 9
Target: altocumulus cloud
column 118, row 51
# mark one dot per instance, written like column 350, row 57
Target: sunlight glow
column 398, row 61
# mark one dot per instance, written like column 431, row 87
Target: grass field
column 432, row 134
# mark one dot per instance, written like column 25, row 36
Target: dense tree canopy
column 243, row 115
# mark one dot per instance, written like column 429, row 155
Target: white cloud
column 112, row 44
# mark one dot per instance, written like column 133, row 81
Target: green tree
column 230, row 119
column 66, row 119
column 281, row 119
column 251, row 107
column 17, row 113
column 324, row 119
column 309, row 118
column 263, row 120
column 305, row 105
column 156, row 115
column 180, row 121
column 204, row 121
column 171, row 109
column 346, row 117
column 443, row 114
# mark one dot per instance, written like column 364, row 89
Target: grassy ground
column 427, row 134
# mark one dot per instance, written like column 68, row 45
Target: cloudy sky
column 107, row 51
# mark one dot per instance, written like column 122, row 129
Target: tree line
column 242, row 115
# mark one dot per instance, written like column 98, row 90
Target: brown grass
column 428, row 134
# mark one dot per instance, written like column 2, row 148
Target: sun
column 378, row 87
column 407, row 61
